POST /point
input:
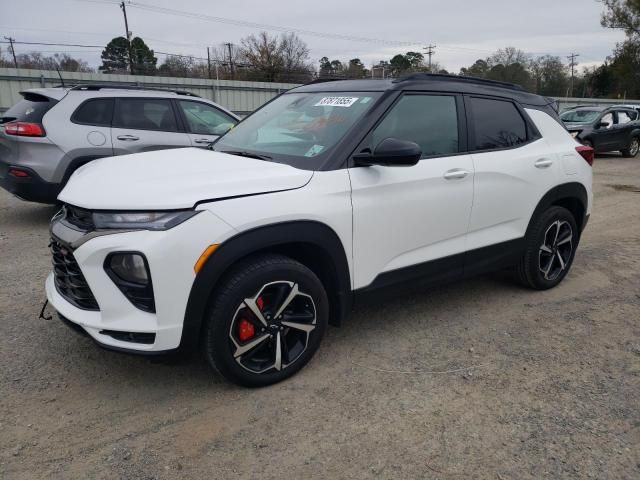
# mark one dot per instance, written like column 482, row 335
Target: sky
column 462, row 31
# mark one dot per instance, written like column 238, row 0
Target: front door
column 408, row 220
column 204, row 122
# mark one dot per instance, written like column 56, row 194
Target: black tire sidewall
column 535, row 240
column 217, row 347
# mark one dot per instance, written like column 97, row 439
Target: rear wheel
column 267, row 322
column 549, row 250
column 634, row 148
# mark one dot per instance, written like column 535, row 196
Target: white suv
column 328, row 193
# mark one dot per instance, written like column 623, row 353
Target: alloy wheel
column 270, row 330
column 555, row 252
column 634, row 147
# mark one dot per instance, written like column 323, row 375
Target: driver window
column 608, row 119
column 431, row 121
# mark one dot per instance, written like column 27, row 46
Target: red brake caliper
column 246, row 330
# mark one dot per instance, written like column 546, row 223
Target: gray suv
column 51, row 132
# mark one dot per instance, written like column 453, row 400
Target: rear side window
column 98, row 111
column 496, row 124
column 30, row 109
column 145, row 114
column 626, row 116
column 431, row 121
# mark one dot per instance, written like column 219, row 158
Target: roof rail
column 457, row 78
column 100, row 86
column 324, row 80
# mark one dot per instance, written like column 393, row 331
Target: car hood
column 176, row 178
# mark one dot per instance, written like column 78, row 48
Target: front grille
column 68, row 278
column 79, row 217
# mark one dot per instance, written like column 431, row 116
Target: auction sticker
column 336, row 102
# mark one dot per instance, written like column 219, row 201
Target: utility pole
column 128, row 33
column 209, row 63
column 572, row 64
column 13, row 52
column 229, row 45
column 430, row 52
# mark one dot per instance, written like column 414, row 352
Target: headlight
column 141, row 220
column 574, row 134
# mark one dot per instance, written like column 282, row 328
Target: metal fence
column 239, row 97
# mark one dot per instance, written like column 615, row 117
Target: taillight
column 586, row 152
column 24, row 129
column 18, row 172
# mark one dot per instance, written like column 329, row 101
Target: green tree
column 399, row 64
column 356, row 69
column 415, row 59
column 142, row 58
column 623, row 15
column 478, row 69
column 115, row 56
column 550, row 76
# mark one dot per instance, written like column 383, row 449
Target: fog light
column 129, row 267
column 130, row 272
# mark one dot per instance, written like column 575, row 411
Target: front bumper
column 32, row 189
column 171, row 255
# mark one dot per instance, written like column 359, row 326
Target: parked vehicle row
column 52, row 132
column 325, row 196
column 606, row 129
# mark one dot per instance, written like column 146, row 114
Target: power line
column 264, row 26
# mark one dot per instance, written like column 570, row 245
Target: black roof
column 430, row 82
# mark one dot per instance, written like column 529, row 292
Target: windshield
column 580, row 116
column 299, row 129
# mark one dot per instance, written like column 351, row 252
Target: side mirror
column 602, row 125
column 391, row 152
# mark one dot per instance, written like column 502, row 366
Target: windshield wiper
column 247, row 154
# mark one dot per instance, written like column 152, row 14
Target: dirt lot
column 482, row 379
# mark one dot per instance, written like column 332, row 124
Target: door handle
column 128, row 138
column 202, row 140
column 455, row 174
column 543, row 163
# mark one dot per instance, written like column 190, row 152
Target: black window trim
column 93, row 124
column 462, row 125
column 532, row 132
column 179, row 125
column 183, row 117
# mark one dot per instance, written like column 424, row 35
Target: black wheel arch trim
column 265, row 238
column 565, row 191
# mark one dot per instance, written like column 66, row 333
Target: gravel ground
column 480, row 379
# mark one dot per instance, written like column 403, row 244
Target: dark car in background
column 606, row 129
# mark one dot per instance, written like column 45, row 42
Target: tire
column 634, row 148
column 246, row 339
column 587, row 143
column 547, row 258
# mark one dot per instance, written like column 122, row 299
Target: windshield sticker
column 313, row 151
column 365, row 100
column 336, row 102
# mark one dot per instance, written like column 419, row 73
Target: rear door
column 514, row 168
column 146, row 124
column 204, row 122
column 623, row 127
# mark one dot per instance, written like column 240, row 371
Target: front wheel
column 267, row 321
column 550, row 247
column 634, row 148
